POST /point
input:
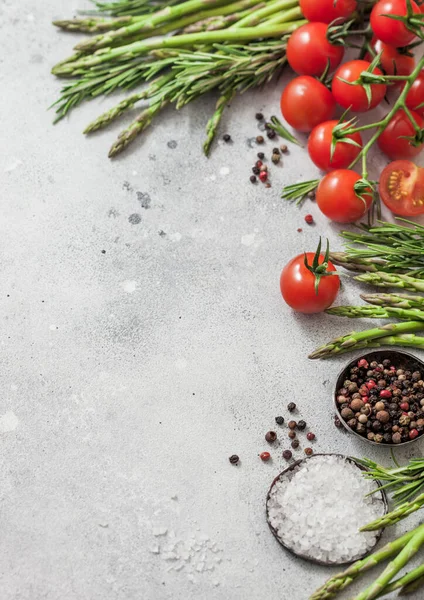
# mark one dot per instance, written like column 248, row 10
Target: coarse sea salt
column 317, row 509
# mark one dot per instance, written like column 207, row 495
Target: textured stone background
column 129, row 376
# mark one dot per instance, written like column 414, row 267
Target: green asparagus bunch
column 225, row 45
column 393, row 517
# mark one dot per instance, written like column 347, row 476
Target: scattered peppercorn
column 291, row 406
column 292, row 434
column 283, row 148
column 259, row 116
column 271, row 134
column 276, row 158
column 253, row 178
column 265, row 456
column 287, row 454
column 299, row 230
column 295, row 444
column 301, row 425
column 292, row 424
column 255, row 170
column 263, row 167
column 234, row 459
column 276, row 151
column 263, row 176
column 271, row 436
column 259, row 164
column 268, row 185
column 308, row 451
column 309, row 219
column 260, row 139
column 261, row 155
column 226, row 137
column 310, row 436
column 268, row 125
column 279, row 420
column 311, row 195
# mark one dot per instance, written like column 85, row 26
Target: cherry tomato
column 392, row 141
column 415, row 97
column 392, row 61
column 305, row 102
column 388, row 30
column 325, row 11
column 337, row 199
column 402, row 188
column 354, row 96
column 319, row 147
column 297, row 285
column 308, row 50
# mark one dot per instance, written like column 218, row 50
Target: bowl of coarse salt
column 317, row 505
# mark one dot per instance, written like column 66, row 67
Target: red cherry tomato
column 392, row 141
column 415, row 97
column 392, row 61
column 388, row 30
column 297, row 285
column 325, row 11
column 305, row 102
column 308, row 50
column 354, row 96
column 402, row 188
column 320, row 143
column 337, row 199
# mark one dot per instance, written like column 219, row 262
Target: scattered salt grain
column 317, row 509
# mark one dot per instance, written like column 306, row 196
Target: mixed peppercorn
column 383, row 403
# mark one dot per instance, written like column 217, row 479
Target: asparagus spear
column 352, row 263
column 393, row 517
column 371, row 337
column 339, row 582
column 92, row 25
column 377, row 312
column 404, row 556
column 381, row 279
column 396, row 300
column 408, row 583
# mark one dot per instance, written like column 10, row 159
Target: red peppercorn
column 310, row 436
column 385, row 394
column 263, row 176
column 259, row 164
column 404, row 406
column 299, row 230
column 363, row 390
column 371, row 384
column 309, row 219
column 365, row 399
column 363, row 364
column 413, row 434
column 265, row 456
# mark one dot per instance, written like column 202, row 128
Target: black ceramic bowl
column 402, row 360
column 308, row 558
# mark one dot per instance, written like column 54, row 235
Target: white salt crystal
column 318, row 508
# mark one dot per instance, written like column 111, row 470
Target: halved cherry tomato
column 337, row 199
column 415, row 97
column 305, row 102
column 354, row 96
column 402, row 188
column 325, row 11
column 388, row 30
column 392, row 61
column 297, row 285
column 320, row 143
column 393, row 141
column 308, row 50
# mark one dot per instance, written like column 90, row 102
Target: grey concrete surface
column 143, row 341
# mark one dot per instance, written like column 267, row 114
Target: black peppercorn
column 295, row 444
column 287, row 454
column 271, row 134
column 279, row 420
column 301, row 425
column 276, row 151
column 234, row 459
column 271, row 436
column 260, row 139
column 255, row 170
column 259, row 116
column 291, row 406
column 253, row 178
column 261, row 155
column 226, row 137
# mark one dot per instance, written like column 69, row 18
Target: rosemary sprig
column 299, row 191
column 405, row 482
column 279, row 128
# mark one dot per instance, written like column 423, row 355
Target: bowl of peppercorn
column 380, row 397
